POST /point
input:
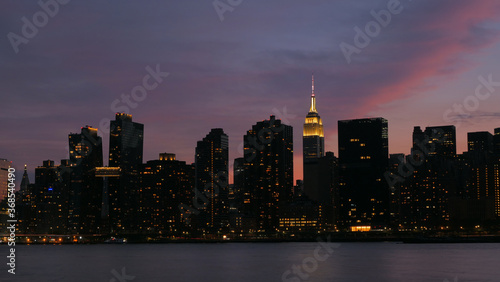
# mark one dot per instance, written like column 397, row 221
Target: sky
column 232, row 63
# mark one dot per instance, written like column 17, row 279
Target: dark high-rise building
column 25, row 180
column 432, row 181
column 126, row 143
column 444, row 138
column 298, row 189
column 268, row 153
column 301, row 216
column 496, row 167
column 238, row 173
column 480, row 156
column 166, row 184
column 496, row 187
column 4, row 173
column 363, row 160
column 211, row 165
column 496, row 141
column 418, row 138
column 125, row 152
column 85, row 196
column 328, row 168
column 480, row 142
column 481, row 185
column 26, row 205
column 401, row 208
column 313, row 150
column 238, row 183
column 52, row 198
column 110, row 177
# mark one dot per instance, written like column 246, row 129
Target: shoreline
column 332, row 239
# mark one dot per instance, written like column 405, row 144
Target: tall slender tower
column 313, row 149
column 4, row 173
column 85, row 153
column 126, row 139
column 26, row 180
column 268, row 172
column 211, row 169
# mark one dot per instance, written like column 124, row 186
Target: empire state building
column 313, row 150
column 313, row 138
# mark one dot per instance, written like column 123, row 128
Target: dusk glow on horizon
column 250, row 140
column 182, row 68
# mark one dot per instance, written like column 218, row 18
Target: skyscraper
column 328, row 168
column 125, row 152
column 26, row 205
column 496, row 141
column 85, row 152
column 496, row 187
column 211, row 166
column 481, row 180
column 363, row 159
column 313, row 150
column 25, row 180
column 126, row 143
column 480, row 142
column 4, row 172
column 432, row 182
column 166, row 184
column 313, row 137
column 445, row 140
column 51, row 194
column 496, row 165
column 268, row 170
column 239, row 183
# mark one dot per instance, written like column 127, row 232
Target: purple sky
column 232, row 73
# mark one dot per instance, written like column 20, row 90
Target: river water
column 255, row 262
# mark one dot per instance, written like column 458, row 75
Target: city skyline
column 229, row 74
column 433, row 188
column 250, row 140
column 492, row 131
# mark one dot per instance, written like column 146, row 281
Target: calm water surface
column 255, row 262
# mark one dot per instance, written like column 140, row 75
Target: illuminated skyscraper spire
column 313, row 144
column 313, row 98
column 313, row 84
column 313, row 132
column 25, row 181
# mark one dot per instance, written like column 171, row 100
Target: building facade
column 211, row 174
column 363, row 160
column 126, row 142
column 268, row 170
column 85, row 195
column 313, row 150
